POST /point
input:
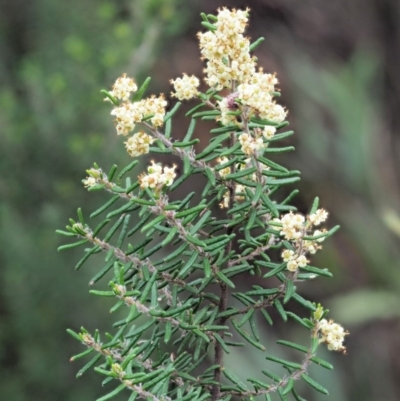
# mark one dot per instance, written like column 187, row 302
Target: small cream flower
column 318, row 217
column 249, row 144
column 269, row 132
column 122, row 88
column 332, row 334
column 89, row 182
column 225, row 171
column 139, row 144
column 185, row 87
column 157, row 176
column 292, row 225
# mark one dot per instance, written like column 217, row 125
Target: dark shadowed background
column 339, row 69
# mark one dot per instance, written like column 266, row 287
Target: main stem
column 223, row 300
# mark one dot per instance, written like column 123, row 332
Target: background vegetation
column 338, row 65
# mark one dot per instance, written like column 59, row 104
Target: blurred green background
column 338, row 64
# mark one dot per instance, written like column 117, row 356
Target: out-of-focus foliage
column 55, row 58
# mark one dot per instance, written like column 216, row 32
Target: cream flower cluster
column 252, row 144
column 158, row 176
column 257, row 96
column 249, row 144
column 139, row 144
column 294, row 261
column 185, row 87
column 229, row 61
column 318, row 217
column 294, row 227
column 128, row 114
column 122, row 88
column 227, row 50
column 332, row 334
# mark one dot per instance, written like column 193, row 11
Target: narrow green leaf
column 122, row 209
column 141, row 329
column 314, row 384
column 74, row 245
column 91, row 363
column 125, row 170
column 147, row 289
column 86, row 257
column 113, row 229
column 304, row 302
column 170, row 236
column 280, row 309
column 247, row 337
column 102, row 272
column 322, row 363
column 176, row 253
column 267, row 316
column 314, row 206
column 187, row 212
column 172, row 112
column 178, row 144
column 189, row 264
column 293, row 345
column 315, row 270
column 202, row 335
column 271, row 375
column 235, row 380
column 75, row 335
column 102, row 293
column 269, row 205
column 179, row 309
column 256, row 43
column 66, row 233
column 288, row 387
column 112, row 394
column 210, row 175
column 289, row 291
column 290, row 197
column 297, row 396
column 246, row 317
column 225, row 279
column 82, row 354
column 111, row 173
column 259, row 383
column 323, row 235
column 168, row 332
column 289, row 364
column 207, row 113
column 139, row 94
column 194, row 109
column 231, row 150
column 298, row 320
column 241, row 173
column 276, row 270
column 152, row 223
column 112, row 98
column 195, row 241
column 212, row 146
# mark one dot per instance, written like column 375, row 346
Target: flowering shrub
column 177, row 279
